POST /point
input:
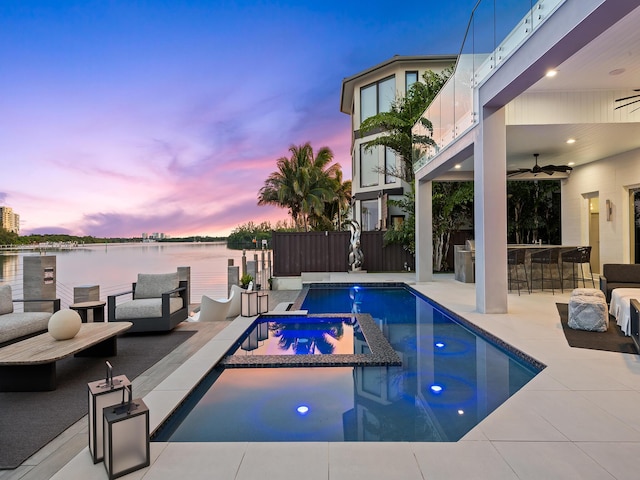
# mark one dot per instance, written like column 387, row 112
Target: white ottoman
column 588, row 312
column 588, row 291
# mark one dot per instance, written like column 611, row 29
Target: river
column 115, row 266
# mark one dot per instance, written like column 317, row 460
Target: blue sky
column 123, row 117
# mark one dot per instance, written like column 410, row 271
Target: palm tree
column 303, row 183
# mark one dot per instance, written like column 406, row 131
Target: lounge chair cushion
column 6, row 303
column 155, row 284
column 146, row 308
column 16, row 325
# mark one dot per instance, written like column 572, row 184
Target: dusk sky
column 121, row 117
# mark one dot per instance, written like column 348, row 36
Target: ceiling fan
column 536, row 169
column 629, row 103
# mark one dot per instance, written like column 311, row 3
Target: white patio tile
column 549, row 460
column 372, row 461
column 618, row 458
column 285, row 461
column 481, row 461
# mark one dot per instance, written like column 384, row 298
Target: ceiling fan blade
column 627, row 104
column 627, row 98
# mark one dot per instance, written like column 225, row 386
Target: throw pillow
column 154, row 285
column 6, row 303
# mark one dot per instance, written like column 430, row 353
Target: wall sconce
column 126, row 437
column 102, row 394
column 609, row 208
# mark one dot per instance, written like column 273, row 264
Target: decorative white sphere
column 64, row 324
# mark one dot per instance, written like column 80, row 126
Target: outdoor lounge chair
column 215, row 310
column 159, row 303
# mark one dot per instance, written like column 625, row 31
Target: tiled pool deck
column 579, row 418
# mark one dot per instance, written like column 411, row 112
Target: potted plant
column 244, row 281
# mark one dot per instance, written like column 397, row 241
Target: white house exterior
column 363, row 95
column 501, row 107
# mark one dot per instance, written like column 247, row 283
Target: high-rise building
column 8, row 220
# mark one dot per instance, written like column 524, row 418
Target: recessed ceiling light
column 617, row 71
column 551, row 73
column 571, row 140
column 571, row 163
column 458, row 167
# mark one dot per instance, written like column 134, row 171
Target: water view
column 114, row 266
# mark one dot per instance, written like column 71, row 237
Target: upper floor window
column 368, row 166
column 390, row 165
column 377, row 97
column 409, row 79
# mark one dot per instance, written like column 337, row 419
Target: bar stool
column 578, row 256
column 546, row 257
column 515, row 258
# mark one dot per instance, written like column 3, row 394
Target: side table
column 96, row 308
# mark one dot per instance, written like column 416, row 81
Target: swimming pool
column 451, row 376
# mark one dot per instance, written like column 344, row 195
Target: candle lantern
column 103, row 393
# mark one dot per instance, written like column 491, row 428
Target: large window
column 390, row 165
column 409, row 79
column 370, row 215
column 368, row 166
column 377, row 97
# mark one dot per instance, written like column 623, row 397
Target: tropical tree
column 532, row 211
column 452, row 208
column 305, row 183
column 397, row 123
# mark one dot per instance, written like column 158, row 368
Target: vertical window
column 377, row 97
column 390, row 165
column 368, row 166
column 370, row 215
column 409, row 79
column 368, row 101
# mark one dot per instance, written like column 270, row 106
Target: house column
column 424, row 232
column 490, row 206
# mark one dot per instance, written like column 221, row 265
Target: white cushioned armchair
column 159, row 303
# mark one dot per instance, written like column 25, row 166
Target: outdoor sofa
column 159, row 303
column 619, row 275
column 16, row 326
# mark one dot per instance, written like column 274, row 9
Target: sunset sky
column 121, row 117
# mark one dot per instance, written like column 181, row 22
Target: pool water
column 451, row 378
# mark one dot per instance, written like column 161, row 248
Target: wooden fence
column 297, row 252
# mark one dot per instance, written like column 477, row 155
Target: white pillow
column 6, row 301
column 153, row 285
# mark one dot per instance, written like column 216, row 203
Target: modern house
column 561, row 81
column 363, row 95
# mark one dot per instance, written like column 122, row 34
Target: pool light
column 439, row 344
column 436, row 388
column 302, row 409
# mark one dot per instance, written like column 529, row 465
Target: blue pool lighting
column 436, row 388
column 439, row 344
column 302, row 409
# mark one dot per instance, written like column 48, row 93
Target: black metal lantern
column 126, row 437
column 103, row 393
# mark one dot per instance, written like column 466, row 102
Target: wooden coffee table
column 30, row 365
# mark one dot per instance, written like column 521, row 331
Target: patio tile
column 540, row 460
column 285, row 461
column 618, row 458
column 481, row 461
column 372, row 461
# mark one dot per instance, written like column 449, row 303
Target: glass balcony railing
column 489, row 40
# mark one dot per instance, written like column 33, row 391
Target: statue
column 355, row 254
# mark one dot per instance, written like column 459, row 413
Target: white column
column 490, row 205
column 424, row 232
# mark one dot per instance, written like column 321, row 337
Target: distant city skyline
column 124, row 117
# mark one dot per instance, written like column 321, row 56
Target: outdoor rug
column 613, row 340
column 30, row 420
